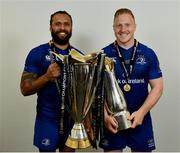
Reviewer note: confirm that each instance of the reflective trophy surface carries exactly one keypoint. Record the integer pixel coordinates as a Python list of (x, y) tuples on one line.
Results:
[(80, 84), (83, 78), (115, 101)]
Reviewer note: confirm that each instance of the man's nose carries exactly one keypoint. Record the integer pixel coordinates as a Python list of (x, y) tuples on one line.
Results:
[(123, 28), (62, 26)]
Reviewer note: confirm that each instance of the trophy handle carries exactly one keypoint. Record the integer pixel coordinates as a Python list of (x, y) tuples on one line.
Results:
[(81, 58), (89, 93), (99, 68), (59, 56)]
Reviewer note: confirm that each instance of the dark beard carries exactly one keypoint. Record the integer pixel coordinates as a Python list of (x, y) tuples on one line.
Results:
[(61, 41)]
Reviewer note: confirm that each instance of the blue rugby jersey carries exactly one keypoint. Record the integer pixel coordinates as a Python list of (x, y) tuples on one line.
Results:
[(46, 132), (146, 67)]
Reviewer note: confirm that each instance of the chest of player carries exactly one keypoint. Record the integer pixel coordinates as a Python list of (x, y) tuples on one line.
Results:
[(46, 60), (140, 66)]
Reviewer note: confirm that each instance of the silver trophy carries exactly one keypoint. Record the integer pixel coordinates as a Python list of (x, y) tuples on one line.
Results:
[(82, 85), (115, 101)]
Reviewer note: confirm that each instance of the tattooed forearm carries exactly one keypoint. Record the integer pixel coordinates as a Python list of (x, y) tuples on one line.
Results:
[(28, 76), (31, 83), (27, 83)]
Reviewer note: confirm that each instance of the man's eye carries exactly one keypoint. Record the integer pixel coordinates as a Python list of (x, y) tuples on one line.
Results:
[(66, 24), (117, 26), (57, 24)]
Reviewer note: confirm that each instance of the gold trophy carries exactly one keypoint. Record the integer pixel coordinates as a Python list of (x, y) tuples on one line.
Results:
[(115, 101)]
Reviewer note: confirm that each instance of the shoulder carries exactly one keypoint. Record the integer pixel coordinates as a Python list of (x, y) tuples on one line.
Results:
[(38, 52), (109, 49), (40, 48), (109, 46), (145, 50)]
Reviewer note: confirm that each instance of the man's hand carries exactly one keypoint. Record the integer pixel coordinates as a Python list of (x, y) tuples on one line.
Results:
[(31, 83), (136, 118), (53, 72), (110, 123)]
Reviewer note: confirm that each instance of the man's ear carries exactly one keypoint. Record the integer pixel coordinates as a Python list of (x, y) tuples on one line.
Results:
[(50, 29), (135, 26)]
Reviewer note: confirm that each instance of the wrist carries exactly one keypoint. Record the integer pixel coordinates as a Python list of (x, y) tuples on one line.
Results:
[(143, 111), (46, 78)]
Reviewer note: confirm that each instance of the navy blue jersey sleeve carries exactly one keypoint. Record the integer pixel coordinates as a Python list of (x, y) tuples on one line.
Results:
[(154, 70), (31, 63)]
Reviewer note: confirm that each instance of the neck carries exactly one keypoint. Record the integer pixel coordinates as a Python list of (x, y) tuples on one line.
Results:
[(126, 45), (63, 47)]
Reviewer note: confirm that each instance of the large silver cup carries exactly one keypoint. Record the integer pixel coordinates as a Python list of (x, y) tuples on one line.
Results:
[(115, 101), (83, 80), (81, 84)]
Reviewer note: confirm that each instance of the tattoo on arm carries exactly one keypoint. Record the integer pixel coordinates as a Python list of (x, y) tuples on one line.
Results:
[(26, 84), (28, 76)]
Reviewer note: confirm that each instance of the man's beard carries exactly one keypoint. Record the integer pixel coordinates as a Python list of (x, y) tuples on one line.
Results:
[(61, 41)]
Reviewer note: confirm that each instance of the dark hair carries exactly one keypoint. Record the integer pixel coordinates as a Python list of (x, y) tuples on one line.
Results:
[(124, 11), (60, 12)]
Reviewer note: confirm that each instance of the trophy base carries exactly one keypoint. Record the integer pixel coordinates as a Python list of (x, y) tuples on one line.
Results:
[(123, 122), (78, 138)]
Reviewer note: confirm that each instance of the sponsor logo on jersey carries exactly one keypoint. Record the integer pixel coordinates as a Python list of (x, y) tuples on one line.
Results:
[(141, 60), (46, 142), (151, 143), (47, 57)]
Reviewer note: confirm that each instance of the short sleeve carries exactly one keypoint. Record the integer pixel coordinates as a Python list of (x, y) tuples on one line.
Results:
[(31, 62), (154, 69)]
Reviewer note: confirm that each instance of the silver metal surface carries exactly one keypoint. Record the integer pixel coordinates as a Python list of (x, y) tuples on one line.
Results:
[(82, 79), (115, 98), (116, 103)]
